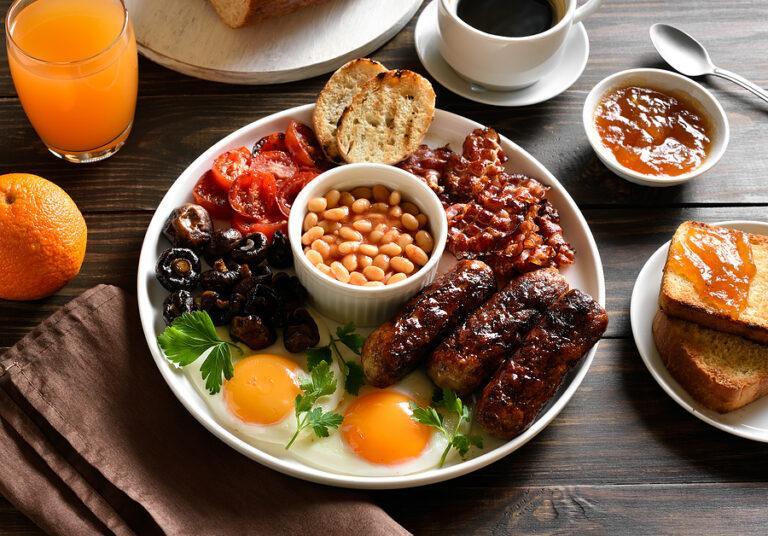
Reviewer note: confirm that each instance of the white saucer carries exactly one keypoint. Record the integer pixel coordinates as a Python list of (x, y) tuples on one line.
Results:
[(572, 64), (751, 421)]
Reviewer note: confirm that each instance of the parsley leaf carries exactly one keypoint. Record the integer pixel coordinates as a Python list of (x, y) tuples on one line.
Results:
[(315, 356), (320, 383), (217, 364), (355, 378), (193, 335), (320, 422), (352, 371), (462, 443), (430, 417), (349, 338)]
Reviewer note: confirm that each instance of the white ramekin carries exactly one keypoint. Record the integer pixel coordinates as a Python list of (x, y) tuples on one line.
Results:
[(665, 81), (365, 306)]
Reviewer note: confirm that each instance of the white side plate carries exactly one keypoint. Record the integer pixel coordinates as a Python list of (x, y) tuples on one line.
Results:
[(750, 421), (586, 274)]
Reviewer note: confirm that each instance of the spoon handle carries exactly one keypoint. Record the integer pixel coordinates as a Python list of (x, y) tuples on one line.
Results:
[(743, 82)]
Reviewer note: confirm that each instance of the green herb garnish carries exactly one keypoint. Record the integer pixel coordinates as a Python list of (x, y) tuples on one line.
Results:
[(320, 383), (352, 371), (193, 335), (430, 417)]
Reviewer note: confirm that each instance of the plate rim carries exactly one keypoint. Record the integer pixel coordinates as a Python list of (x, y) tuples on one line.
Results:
[(693, 407), (307, 472)]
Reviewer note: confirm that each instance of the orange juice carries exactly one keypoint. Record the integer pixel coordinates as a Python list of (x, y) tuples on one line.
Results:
[(75, 68)]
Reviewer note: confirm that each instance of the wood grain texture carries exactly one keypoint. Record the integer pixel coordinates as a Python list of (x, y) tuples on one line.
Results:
[(637, 509), (170, 132), (622, 458)]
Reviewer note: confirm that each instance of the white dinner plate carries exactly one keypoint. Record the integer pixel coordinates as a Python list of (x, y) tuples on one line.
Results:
[(750, 421), (447, 128)]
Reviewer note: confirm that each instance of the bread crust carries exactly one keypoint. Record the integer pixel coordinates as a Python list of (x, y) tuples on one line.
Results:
[(334, 98), (679, 299), (403, 105), (683, 357)]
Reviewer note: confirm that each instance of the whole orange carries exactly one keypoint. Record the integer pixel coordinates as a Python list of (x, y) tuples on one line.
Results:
[(42, 237)]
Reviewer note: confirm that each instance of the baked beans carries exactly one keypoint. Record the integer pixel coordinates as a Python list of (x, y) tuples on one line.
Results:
[(368, 236)]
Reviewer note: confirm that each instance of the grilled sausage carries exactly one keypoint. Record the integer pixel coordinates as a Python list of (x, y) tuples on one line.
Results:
[(474, 350), (396, 347), (522, 385)]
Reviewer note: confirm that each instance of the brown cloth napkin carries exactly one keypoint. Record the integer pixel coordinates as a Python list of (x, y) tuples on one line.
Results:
[(92, 441)]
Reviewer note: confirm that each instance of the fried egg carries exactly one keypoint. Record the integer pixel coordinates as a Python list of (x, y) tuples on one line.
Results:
[(258, 403), (378, 437)]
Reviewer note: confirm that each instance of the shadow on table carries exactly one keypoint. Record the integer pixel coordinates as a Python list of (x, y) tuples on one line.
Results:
[(717, 455)]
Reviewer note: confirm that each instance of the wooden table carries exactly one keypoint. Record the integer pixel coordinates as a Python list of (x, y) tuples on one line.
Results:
[(622, 457)]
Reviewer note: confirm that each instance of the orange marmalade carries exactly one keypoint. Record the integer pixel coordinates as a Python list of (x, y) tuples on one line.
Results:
[(651, 132), (719, 263)]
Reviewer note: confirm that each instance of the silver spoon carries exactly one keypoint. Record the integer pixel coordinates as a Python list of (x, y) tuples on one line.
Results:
[(689, 57)]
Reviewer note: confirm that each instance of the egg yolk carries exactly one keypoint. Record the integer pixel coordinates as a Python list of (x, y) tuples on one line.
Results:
[(263, 388), (378, 428)]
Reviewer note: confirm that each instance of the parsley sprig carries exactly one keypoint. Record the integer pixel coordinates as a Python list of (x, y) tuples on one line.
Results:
[(352, 371), (193, 335), (321, 383), (430, 417)]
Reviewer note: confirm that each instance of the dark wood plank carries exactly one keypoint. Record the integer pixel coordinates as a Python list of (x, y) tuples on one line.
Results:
[(637, 509)]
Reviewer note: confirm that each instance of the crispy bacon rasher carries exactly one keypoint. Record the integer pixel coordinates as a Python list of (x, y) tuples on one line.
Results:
[(500, 218)]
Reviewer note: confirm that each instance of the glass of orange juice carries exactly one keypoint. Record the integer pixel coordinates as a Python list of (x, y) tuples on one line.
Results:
[(75, 68)]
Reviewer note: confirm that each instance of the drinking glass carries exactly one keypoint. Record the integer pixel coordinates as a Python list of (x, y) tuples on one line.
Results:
[(75, 68)]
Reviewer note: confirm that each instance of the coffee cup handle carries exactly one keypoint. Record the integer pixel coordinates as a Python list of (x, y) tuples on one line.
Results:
[(586, 10)]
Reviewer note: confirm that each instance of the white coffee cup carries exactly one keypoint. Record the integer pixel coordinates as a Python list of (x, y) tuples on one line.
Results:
[(505, 63)]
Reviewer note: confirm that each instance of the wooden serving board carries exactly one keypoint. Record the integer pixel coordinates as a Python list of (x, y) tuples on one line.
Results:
[(187, 36)]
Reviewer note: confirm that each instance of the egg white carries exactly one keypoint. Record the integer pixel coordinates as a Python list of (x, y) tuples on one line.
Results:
[(333, 454), (263, 435)]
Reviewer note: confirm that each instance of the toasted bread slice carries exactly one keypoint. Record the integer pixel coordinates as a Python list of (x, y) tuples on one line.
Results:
[(387, 119), (239, 13), (680, 299), (723, 372), (338, 92)]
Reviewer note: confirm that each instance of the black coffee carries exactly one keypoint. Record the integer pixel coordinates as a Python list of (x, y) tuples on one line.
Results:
[(508, 18)]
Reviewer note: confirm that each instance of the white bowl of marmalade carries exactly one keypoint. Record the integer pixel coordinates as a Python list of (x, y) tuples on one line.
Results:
[(655, 127)]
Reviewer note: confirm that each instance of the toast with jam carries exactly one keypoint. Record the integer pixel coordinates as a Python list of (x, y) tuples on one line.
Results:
[(718, 278)]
